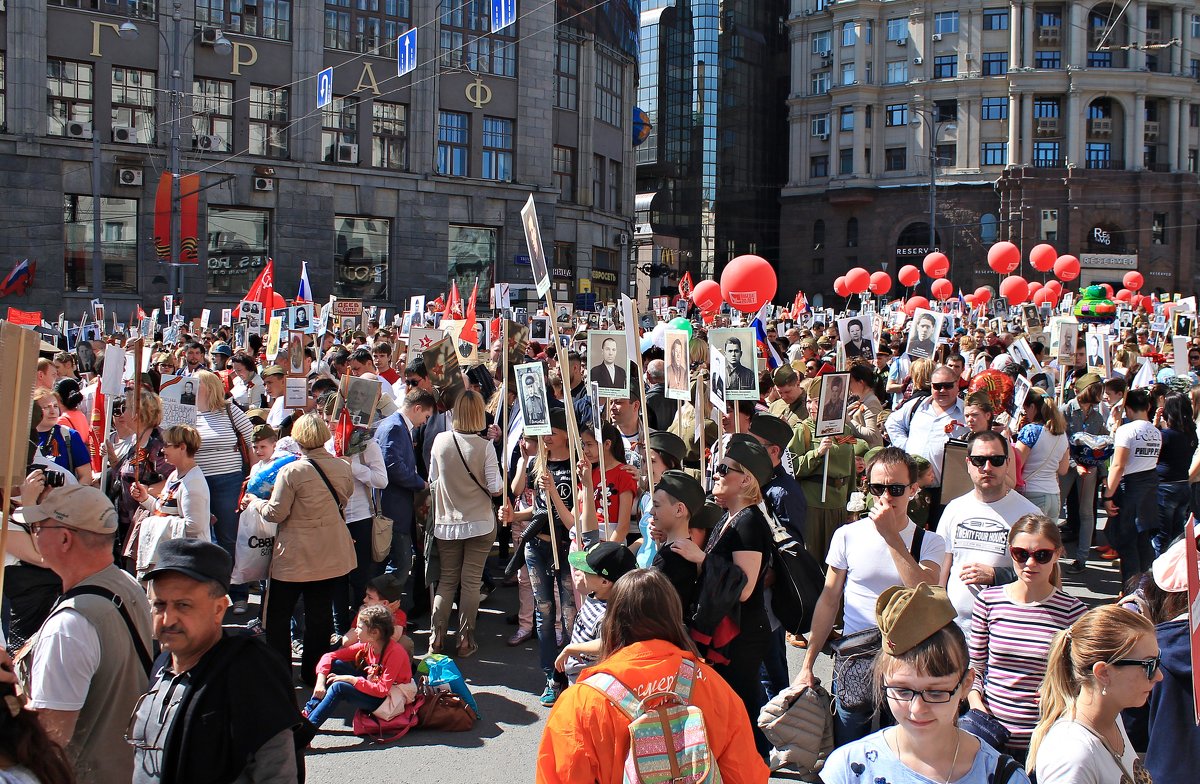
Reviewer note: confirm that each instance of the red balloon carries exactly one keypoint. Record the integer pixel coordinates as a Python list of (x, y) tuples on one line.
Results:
[(1066, 268), (881, 283), (942, 289), (983, 295), (277, 301), (1054, 286), (1004, 257), (840, 288), (909, 275), (748, 282), (707, 296), (1014, 289), (858, 280), (1045, 295), (1034, 288), (936, 265), (969, 299), (1148, 303), (912, 303), (1133, 280), (1042, 257), (1108, 290), (1124, 295)]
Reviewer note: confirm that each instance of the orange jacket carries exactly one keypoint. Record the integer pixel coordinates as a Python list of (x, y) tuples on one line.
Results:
[(586, 738)]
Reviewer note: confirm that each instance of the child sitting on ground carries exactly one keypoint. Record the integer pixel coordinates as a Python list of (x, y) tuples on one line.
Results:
[(386, 590), (602, 564)]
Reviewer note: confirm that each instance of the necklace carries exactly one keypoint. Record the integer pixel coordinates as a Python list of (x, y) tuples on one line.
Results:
[(953, 762)]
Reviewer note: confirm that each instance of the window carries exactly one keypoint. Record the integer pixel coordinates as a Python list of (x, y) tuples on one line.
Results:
[(897, 29), (1051, 59), (212, 112), (497, 149), (3, 91), (266, 18), (988, 228), (846, 161), (454, 138), (118, 243), (896, 114), (615, 202), (994, 154), (1158, 229), (818, 266), (820, 43), (563, 167), (609, 89), (389, 135), (598, 172), (69, 88), (849, 33), (818, 234), (566, 75), (269, 121), (1045, 107), (945, 66), (367, 26), (852, 233), (846, 118), (995, 63), (1045, 155), (339, 125), (1195, 25), (945, 155), (239, 244), (467, 41), (818, 166), (820, 124), (471, 256), (945, 111), (995, 108), (820, 83), (897, 72), (360, 257), (848, 77), (895, 158), (143, 9), (133, 102), (1099, 60), (945, 22), (1193, 116), (995, 19)]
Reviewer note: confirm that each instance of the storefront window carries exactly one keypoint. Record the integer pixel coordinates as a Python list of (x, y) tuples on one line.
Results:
[(239, 243), (472, 256), (118, 243), (360, 257)]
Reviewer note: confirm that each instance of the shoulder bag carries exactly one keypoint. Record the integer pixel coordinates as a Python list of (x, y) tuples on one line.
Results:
[(470, 473), (381, 529), (241, 443)]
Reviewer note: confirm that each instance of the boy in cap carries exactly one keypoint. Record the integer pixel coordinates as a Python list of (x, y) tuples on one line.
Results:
[(602, 565), (678, 499)]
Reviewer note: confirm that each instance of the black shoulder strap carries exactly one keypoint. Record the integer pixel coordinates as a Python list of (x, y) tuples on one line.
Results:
[(325, 479), (1005, 767), (96, 590), (470, 473), (918, 538)]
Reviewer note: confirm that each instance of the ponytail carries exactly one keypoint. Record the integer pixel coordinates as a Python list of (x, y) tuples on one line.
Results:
[(1058, 691)]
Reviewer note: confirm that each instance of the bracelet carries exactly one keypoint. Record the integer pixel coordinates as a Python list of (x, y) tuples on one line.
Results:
[(1107, 498)]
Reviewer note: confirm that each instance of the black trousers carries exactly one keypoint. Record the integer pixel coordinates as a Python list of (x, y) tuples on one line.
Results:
[(318, 619), (746, 654)]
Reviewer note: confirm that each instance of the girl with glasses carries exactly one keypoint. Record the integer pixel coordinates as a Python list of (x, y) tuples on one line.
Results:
[(1012, 628), (1105, 663)]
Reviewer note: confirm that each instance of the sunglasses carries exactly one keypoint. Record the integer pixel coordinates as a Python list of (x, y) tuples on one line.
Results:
[(724, 468), (942, 386), (1149, 665), (411, 382), (1021, 555), (979, 461), (895, 491)]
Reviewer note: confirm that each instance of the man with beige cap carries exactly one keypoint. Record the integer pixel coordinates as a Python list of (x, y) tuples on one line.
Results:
[(87, 665)]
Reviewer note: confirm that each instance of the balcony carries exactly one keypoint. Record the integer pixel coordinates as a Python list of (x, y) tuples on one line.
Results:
[(1047, 126), (1151, 132), (1100, 126), (1049, 35)]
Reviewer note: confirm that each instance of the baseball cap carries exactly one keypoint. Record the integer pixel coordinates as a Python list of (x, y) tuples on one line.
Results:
[(610, 560), (79, 506), (194, 558)]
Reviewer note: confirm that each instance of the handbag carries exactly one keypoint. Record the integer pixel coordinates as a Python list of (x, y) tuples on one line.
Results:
[(368, 725), (381, 531), (243, 450), (444, 710)]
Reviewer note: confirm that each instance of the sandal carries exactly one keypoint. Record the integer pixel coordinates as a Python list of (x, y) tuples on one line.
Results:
[(466, 649)]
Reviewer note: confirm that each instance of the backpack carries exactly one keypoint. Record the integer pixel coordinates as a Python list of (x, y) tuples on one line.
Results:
[(668, 738), (799, 579)]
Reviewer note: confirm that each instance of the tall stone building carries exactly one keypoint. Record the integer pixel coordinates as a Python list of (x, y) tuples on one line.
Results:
[(396, 186), (1068, 123)]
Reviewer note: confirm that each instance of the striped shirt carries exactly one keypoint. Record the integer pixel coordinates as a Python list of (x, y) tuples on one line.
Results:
[(219, 453), (1009, 644)]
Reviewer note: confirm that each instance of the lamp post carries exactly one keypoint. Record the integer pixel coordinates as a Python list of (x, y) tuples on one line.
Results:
[(176, 51), (928, 116)]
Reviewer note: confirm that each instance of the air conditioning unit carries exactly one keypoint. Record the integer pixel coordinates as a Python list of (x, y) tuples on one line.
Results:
[(823, 137), (1047, 126), (264, 184), (918, 61), (1100, 126), (206, 143), (622, 238), (209, 35), (77, 129), (968, 57), (809, 12), (124, 134), (936, 37), (131, 178), (347, 153), (901, 42), (1151, 132), (826, 61), (854, 83)]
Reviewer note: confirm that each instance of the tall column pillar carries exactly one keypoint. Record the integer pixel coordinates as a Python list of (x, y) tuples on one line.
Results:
[(1026, 128), (1014, 119), (1135, 134), (1184, 129), (1075, 123), (1027, 36), (1177, 32), (1014, 33), (860, 140), (1076, 37), (1172, 131)]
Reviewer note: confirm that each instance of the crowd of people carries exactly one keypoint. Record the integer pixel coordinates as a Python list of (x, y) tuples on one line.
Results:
[(193, 556)]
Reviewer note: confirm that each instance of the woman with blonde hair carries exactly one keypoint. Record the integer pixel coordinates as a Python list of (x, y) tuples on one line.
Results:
[(150, 468), (313, 548), (1106, 662), (181, 510), (464, 476), (1042, 447)]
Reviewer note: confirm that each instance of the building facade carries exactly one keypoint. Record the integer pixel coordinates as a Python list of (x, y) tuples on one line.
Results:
[(713, 81), (1075, 124), (393, 187)]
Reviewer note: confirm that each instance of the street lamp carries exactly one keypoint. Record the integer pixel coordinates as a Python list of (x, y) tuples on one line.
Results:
[(933, 124), (176, 50)]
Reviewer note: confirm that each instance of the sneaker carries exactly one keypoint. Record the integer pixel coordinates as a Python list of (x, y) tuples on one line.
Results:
[(297, 648), (550, 695), (1075, 567), (1107, 553), (521, 636), (241, 607)]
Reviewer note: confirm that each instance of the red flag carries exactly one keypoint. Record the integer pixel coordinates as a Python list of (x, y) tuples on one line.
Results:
[(25, 318), (439, 304), (97, 422), (469, 332), (262, 289), (685, 286), (453, 303), (342, 432)]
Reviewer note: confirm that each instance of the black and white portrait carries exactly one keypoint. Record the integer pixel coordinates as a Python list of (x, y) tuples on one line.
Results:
[(608, 363), (856, 337), (1033, 318), (716, 379), (831, 413), (677, 364), (360, 397), (1097, 354), (531, 391), (1068, 340), (923, 334), (301, 318), (537, 253), (539, 329), (741, 361), (1182, 324), (562, 313), (1022, 354)]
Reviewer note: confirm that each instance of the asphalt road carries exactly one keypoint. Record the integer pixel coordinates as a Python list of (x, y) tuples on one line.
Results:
[(506, 682)]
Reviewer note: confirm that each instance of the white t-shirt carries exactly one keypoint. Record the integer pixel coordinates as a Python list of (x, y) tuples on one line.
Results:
[(1045, 453), (1144, 442), (977, 533), (1071, 754), (863, 554), (65, 660)]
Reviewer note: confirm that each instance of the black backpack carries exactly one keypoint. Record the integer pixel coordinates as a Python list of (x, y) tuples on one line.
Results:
[(799, 579)]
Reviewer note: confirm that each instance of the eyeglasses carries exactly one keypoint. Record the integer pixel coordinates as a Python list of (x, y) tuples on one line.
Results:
[(895, 491), (942, 386), (979, 461), (35, 528), (143, 743), (1149, 665), (1021, 555), (931, 696), (722, 469), (411, 382)]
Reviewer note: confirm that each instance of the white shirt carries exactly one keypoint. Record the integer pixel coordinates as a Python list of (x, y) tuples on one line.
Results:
[(976, 532), (1045, 453), (1071, 754), (1144, 442), (858, 549), (925, 432), (64, 662), (248, 396), (277, 413), (370, 473)]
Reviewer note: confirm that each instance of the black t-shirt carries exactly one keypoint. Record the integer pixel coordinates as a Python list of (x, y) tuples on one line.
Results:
[(747, 531), (681, 572), (1175, 457), (560, 470)]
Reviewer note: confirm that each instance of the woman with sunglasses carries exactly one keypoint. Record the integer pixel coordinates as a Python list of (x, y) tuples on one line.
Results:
[(1012, 628), (1107, 662)]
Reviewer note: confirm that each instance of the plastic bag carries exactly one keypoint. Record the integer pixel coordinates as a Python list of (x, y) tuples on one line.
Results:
[(442, 671), (252, 551)]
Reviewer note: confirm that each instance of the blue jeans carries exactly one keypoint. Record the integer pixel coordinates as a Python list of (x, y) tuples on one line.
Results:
[(401, 560), (850, 725), (223, 491), (774, 673), (1136, 522), (1174, 500), (1086, 507), (539, 560), (337, 693)]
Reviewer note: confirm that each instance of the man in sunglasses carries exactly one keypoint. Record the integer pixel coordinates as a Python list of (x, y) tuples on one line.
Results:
[(975, 526), (923, 425)]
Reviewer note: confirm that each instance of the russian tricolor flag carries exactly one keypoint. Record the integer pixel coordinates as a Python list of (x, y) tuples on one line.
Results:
[(304, 292)]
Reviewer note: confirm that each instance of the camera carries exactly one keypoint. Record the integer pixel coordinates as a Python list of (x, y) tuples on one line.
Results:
[(53, 478)]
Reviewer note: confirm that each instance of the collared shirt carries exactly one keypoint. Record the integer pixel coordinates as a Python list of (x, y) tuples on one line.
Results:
[(927, 432), (152, 722)]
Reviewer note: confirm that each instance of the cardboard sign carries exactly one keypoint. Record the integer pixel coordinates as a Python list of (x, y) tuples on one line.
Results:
[(348, 307), (18, 354)]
